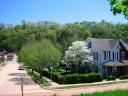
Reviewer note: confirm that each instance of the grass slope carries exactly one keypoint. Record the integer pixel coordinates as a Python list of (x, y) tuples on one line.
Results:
[(109, 93), (37, 78)]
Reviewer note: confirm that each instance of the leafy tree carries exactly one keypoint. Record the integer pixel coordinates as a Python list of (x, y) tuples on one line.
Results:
[(40, 55), (119, 7), (62, 36), (77, 55)]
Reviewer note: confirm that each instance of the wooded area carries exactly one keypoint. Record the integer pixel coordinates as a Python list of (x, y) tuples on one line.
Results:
[(12, 38)]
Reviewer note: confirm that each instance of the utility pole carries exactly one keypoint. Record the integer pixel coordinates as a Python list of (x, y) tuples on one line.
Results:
[(22, 86)]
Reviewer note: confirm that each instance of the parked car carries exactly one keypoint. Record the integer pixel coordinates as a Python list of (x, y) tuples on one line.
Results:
[(10, 56), (21, 68)]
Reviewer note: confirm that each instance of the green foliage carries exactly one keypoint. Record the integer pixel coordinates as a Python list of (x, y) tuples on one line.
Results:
[(119, 7), (37, 78), (73, 78), (13, 38), (124, 77), (39, 55), (111, 78), (109, 93), (56, 76)]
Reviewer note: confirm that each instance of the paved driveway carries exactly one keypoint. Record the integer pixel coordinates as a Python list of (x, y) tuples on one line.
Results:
[(10, 80)]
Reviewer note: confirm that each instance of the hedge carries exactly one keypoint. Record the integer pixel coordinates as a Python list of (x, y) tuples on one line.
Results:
[(73, 78), (124, 77), (111, 78)]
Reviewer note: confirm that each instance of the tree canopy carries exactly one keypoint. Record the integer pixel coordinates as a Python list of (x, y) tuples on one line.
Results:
[(119, 7), (13, 38), (40, 55)]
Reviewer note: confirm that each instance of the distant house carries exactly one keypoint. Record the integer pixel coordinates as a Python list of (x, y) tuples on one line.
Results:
[(2, 55), (110, 55), (10, 56)]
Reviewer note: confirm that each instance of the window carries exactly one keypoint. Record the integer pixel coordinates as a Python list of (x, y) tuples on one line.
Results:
[(113, 55), (89, 45), (109, 56), (122, 55), (95, 55), (117, 55), (104, 55)]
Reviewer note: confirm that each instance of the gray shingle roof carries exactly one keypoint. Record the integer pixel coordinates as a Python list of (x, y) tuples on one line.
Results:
[(124, 44), (104, 44)]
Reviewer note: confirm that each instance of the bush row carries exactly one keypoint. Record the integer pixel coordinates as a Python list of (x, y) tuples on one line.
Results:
[(124, 77), (74, 78), (111, 78)]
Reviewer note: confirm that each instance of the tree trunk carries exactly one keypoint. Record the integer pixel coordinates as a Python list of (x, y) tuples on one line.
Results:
[(32, 71), (66, 69), (40, 74)]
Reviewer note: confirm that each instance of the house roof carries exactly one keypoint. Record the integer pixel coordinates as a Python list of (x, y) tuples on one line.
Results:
[(114, 63), (125, 62), (104, 44), (124, 44)]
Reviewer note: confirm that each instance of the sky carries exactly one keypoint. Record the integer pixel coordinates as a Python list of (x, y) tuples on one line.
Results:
[(61, 11)]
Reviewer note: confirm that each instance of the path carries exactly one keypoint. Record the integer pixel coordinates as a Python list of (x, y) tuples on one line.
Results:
[(70, 92), (10, 80)]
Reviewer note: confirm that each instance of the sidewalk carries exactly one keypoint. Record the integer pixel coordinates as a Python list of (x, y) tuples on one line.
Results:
[(55, 85)]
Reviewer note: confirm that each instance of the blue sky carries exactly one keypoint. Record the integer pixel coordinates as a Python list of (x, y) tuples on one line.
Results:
[(61, 11)]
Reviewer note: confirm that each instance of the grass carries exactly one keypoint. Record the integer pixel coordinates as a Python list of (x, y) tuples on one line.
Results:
[(1, 63), (109, 93), (37, 78), (92, 84)]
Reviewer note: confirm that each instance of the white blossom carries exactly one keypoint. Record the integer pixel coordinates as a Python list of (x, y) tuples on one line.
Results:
[(78, 53)]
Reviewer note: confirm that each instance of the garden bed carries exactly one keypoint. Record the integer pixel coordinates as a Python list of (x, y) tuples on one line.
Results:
[(75, 78)]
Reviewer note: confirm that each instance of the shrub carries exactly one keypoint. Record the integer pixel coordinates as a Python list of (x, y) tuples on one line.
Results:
[(124, 77), (83, 78), (111, 78), (46, 73), (60, 79), (55, 76), (91, 77), (71, 79), (99, 77)]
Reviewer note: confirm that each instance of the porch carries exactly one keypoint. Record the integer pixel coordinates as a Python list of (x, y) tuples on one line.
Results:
[(116, 68)]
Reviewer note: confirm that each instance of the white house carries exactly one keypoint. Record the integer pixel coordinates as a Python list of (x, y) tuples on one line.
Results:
[(110, 55)]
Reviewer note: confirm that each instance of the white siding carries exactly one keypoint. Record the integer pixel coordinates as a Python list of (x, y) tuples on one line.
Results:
[(101, 60)]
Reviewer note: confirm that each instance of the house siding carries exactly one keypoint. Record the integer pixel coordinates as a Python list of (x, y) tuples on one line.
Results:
[(115, 50)]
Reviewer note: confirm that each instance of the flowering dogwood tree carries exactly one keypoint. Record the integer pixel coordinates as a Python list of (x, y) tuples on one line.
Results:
[(77, 56)]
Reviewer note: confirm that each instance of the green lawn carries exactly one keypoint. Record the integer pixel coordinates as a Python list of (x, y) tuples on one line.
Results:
[(37, 78), (109, 93), (1, 64)]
